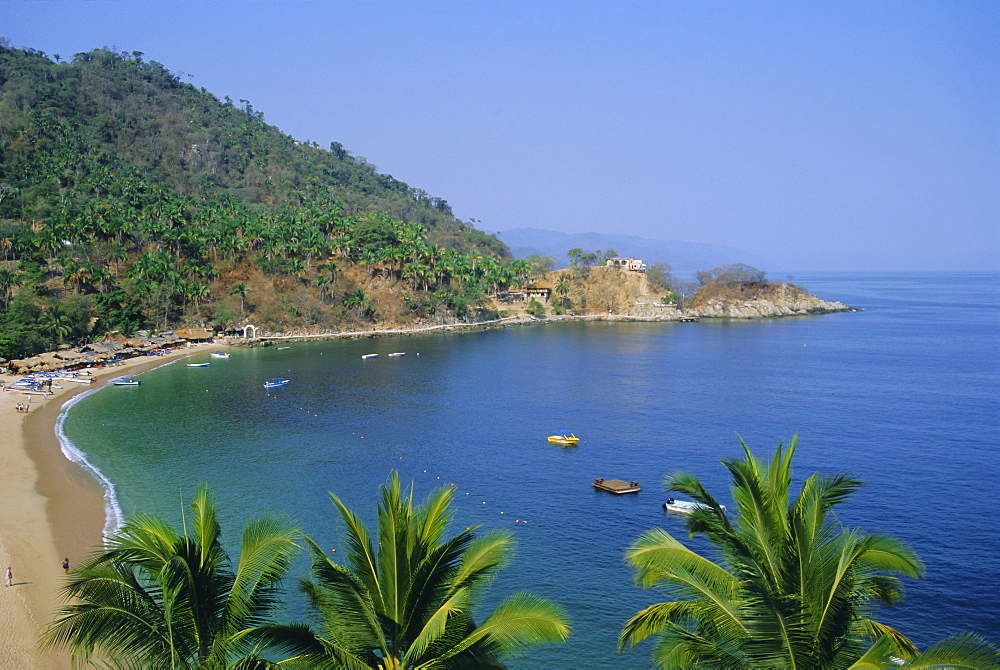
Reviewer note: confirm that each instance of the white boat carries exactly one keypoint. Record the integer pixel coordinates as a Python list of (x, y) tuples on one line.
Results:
[(398, 353), (125, 381), (685, 506), (31, 386), (33, 391), (219, 354), (369, 355), (75, 378), (275, 382), (197, 365)]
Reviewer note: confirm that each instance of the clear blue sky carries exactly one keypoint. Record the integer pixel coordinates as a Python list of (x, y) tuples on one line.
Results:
[(823, 135)]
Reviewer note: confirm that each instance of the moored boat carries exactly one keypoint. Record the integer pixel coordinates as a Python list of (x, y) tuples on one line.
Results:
[(616, 486), (564, 437), (125, 381), (275, 382), (398, 353), (369, 355), (685, 506), (197, 365), (219, 354)]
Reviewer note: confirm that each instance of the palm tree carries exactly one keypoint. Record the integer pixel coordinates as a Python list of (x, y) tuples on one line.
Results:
[(8, 280), (154, 598), (794, 589), (409, 601), (241, 290), (562, 288), (356, 301)]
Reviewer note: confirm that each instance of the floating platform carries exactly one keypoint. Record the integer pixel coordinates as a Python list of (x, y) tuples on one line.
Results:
[(616, 486)]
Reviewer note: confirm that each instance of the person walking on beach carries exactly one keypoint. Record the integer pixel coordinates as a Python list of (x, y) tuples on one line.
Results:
[(10, 577), (65, 565)]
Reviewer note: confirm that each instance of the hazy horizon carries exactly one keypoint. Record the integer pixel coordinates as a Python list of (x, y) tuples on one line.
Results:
[(825, 136)]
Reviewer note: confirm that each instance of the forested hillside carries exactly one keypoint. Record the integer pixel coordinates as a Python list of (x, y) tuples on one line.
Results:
[(130, 199)]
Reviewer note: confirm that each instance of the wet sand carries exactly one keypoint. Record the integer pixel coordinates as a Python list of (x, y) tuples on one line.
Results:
[(51, 509)]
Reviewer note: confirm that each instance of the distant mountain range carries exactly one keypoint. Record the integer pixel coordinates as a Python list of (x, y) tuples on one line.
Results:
[(681, 256)]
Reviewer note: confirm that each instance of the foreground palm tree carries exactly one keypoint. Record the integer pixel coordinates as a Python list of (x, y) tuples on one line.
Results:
[(794, 589), (408, 601), (154, 598)]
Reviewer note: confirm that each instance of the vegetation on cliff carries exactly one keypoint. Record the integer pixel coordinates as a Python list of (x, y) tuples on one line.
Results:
[(131, 199)]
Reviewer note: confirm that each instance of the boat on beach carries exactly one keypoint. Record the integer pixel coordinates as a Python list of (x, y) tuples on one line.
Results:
[(36, 385), (75, 378), (219, 354), (275, 382), (685, 506), (564, 437)]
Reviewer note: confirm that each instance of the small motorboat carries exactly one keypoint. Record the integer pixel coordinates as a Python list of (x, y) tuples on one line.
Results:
[(197, 365), (219, 354), (75, 378), (125, 381), (35, 390), (369, 355), (397, 353), (685, 506), (564, 437), (283, 348), (275, 382)]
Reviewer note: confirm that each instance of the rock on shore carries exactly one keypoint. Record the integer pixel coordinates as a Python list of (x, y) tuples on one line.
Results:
[(761, 300)]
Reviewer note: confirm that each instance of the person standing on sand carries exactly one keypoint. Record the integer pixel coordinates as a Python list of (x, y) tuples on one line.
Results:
[(10, 577), (65, 565)]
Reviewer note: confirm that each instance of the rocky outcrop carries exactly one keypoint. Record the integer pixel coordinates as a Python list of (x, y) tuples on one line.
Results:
[(763, 300)]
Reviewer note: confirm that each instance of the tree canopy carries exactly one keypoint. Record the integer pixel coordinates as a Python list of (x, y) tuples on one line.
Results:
[(793, 588), (131, 199)]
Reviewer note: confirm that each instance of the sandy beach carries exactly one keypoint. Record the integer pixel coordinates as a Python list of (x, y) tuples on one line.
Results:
[(52, 509)]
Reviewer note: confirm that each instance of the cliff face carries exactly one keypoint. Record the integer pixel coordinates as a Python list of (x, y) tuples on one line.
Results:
[(754, 300), (611, 292)]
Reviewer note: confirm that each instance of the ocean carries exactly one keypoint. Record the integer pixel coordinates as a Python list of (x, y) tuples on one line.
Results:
[(904, 393)]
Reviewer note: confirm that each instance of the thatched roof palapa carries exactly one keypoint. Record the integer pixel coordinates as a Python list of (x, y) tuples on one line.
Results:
[(193, 333)]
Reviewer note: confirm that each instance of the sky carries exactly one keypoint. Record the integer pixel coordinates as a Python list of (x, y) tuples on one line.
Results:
[(847, 135)]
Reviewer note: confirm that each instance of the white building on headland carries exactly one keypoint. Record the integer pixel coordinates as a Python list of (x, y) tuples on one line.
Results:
[(633, 264)]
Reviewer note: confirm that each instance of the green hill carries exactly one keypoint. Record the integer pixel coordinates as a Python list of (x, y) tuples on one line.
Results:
[(129, 199)]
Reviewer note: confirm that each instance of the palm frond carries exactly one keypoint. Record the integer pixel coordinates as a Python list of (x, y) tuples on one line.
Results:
[(435, 625), (483, 556), (959, 652), (876, 657), (343, 601), (659, 559), (361, 554), (655, 620), (520, 622), (266, 553)]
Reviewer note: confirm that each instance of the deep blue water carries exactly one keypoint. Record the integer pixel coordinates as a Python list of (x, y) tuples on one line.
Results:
[(903, 394)]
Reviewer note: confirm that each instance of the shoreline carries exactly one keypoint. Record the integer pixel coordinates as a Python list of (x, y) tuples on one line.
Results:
[(53, 508)]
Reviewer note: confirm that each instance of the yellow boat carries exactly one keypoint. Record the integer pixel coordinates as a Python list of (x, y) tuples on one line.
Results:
[(564, 437)]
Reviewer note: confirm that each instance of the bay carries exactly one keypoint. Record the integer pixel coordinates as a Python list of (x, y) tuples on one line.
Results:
[(903, 394)]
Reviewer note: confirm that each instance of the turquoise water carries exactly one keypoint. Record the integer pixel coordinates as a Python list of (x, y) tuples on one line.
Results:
[(903, 394)]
